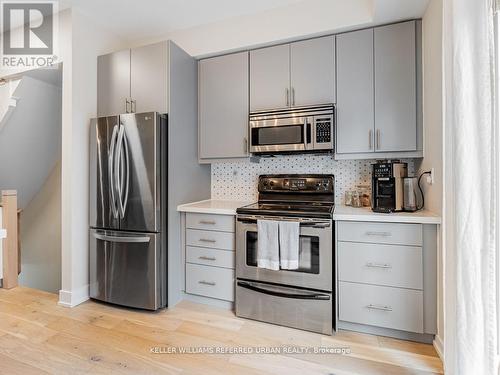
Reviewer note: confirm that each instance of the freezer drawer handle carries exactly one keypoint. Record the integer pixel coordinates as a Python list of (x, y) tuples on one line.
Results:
[(378, 265), (139, 239), (210, 283), (378, 307), (315, 296)]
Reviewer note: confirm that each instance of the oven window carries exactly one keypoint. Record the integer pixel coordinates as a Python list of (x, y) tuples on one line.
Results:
[(278, 135), (308, 253)]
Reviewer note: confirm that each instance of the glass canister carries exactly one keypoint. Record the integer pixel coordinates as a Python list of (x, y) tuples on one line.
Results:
[(356, 199), (364, 195), (348, 198)]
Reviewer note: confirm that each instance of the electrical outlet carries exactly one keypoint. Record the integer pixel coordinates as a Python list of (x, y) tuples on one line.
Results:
[(430, 177)]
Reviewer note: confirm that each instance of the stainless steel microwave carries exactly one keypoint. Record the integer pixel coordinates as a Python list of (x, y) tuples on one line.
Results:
[(299, 129)]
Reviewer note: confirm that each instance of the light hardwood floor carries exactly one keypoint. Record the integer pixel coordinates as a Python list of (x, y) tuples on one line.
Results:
[(39, 337)]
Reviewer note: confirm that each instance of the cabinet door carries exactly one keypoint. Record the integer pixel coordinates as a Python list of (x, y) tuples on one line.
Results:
[(149, 78), (223, 106), (355, 115), (113, 83), (395, 87), (270, 77), (312, 71)]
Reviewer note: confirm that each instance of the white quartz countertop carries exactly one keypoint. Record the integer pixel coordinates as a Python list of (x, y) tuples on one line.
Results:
[(213, 206), (3, 233), (342, 213), (346, 213)]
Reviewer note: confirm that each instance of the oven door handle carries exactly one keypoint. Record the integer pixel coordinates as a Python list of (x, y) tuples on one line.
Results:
[(314, 224), (315, 296)]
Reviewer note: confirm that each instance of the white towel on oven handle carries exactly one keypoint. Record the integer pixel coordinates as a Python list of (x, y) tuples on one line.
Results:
[(268, 248), (289, 233)]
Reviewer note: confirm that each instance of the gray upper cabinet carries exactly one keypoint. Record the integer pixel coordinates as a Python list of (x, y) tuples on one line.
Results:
[(113, 83), (395, 87), (355, 112), (148, 78), (223, 106), (270, 77), (312, 71), (133, 80)]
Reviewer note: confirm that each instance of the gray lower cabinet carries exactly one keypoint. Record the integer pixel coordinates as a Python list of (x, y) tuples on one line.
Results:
[(113, 83), (312, 71), (223, 107), (210, 255), (395, 87), (355, 103), (270, 77), (133, 80), (386, 278)]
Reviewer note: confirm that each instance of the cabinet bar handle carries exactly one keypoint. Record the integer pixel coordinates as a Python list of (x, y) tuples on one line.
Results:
[(293, 96), (207, 222), (245, 145), (378, 139), (370, 137), (203, 282), (206, 240), (132, 105), (206, 258), (287, 94), (127, 105), (378, 265), (379, 307), (381, 234)]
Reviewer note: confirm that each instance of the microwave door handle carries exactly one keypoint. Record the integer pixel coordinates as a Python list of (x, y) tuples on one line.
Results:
[(276, 293), (304, 133)]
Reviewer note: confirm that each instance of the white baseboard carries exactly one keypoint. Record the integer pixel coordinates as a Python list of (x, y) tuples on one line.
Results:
[(438, 345), (73, 298)]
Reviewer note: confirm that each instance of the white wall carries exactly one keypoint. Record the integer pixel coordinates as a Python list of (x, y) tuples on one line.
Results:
[(306, 18), (81, 42), (433, 128), (31, 139), (40, 230)]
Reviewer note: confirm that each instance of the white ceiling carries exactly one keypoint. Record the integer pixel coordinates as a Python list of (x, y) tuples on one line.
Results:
[(139, 20)]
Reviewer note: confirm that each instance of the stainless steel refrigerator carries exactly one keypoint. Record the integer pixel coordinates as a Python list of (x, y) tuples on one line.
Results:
[(128, 210)]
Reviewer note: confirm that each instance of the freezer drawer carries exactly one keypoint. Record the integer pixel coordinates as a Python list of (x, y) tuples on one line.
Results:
[(285, 306), (127, 268)]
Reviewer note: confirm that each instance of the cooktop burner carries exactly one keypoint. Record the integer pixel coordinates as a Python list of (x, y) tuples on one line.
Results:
[(294, 195)]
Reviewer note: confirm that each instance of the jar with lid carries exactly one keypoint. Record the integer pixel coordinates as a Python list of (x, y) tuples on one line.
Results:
[(364, 195)]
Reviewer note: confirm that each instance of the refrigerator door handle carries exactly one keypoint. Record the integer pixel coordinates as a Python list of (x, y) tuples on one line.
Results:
[(118, 170), (126, 179), (135, 239), (111, 171)]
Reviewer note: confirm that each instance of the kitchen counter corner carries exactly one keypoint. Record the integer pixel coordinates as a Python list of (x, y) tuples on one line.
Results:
[(346, 213), (213, 206)]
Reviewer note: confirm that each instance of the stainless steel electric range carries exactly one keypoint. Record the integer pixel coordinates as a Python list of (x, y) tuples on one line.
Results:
[(303, 298)]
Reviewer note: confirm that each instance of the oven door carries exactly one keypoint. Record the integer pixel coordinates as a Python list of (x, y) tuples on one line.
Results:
[(278, 135), (315, 256)]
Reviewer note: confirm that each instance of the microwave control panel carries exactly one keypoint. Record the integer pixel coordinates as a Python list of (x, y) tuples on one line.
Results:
[(323, 131)]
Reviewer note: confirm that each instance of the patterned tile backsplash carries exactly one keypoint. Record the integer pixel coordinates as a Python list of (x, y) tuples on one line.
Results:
[(238, 180)]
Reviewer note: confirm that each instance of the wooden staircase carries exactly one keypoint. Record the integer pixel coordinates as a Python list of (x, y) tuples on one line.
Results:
[(10, 244)]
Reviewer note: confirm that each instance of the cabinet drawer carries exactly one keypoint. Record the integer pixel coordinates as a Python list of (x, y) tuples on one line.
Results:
[(222, 223), (390, 265), (385, 233), (212, 239), (381, 306), (210, 281), (210, 257)]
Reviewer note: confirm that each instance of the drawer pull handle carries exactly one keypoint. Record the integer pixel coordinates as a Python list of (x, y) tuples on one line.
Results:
[(378, 307), (210, 283), (207, 222), (378, 265), (206, 258), (207, 240), (381, 234)]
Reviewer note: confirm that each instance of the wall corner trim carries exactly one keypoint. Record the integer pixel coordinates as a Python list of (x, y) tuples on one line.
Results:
[(73, 298), (438, 345)]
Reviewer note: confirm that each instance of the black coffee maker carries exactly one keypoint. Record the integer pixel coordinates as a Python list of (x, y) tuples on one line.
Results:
[(387, 185)]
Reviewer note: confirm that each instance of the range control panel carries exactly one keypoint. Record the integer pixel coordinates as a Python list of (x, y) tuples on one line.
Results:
[(296, 183)]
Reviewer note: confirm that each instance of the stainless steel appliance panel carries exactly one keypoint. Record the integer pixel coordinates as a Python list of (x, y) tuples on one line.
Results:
[(291, 307), (103, 203), (140, 171), (125, 268), (314, 272)]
